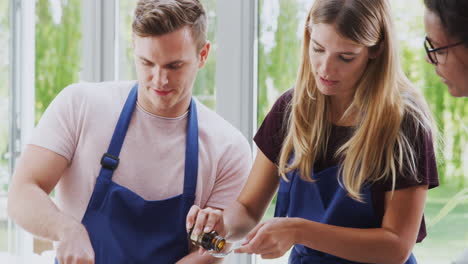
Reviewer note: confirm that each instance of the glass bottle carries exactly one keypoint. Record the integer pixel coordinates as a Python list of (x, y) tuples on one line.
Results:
[(209, 241)]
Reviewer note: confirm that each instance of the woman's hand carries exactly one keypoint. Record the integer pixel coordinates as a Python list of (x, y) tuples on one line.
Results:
[(204, 221), (271, 239)]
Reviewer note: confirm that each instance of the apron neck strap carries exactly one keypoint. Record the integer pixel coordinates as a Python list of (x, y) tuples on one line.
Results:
[(110, 160)]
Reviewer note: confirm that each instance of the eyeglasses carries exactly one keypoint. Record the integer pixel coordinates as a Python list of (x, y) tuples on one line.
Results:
[(437, 55)]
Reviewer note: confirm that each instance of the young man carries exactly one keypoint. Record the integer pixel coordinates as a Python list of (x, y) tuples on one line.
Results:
[(129, 159)]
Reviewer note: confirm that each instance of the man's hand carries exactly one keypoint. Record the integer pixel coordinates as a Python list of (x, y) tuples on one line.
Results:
[(204, 221), (75, 246)]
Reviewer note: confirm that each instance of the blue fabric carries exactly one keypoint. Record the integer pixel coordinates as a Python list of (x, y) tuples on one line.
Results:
[(124, 227), (323, 201)]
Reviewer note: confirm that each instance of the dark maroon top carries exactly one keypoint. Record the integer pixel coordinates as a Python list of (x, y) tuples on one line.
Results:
[(272, 132)]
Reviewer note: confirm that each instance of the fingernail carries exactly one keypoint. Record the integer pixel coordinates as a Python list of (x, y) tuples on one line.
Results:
[(207, 229)]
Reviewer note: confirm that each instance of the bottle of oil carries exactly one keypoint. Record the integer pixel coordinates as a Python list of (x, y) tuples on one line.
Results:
[(209, 241)]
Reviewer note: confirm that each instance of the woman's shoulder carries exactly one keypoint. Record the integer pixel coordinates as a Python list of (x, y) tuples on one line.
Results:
[(418, 132), (272, 132), (283, 102)]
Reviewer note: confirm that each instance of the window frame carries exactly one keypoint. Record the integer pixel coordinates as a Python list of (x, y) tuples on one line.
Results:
[(21, 110)]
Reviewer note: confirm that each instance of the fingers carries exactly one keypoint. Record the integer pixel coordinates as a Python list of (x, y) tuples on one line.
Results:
[(72, 259), (192, 216), (253, 241), (76, 248), (200, 222), (203, 220), (253, 246), (252, 233), (201, 251), (213, 218)]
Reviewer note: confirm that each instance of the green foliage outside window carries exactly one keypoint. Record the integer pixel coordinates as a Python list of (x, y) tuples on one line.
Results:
[(58, 49)]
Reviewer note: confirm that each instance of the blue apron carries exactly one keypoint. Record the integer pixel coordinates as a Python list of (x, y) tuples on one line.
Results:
[(124, 227), (324, 201)]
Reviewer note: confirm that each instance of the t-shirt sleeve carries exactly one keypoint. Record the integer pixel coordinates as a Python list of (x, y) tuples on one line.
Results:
[(425, 161), (271, 134), (57, 128), (233, 169), (426, 171)]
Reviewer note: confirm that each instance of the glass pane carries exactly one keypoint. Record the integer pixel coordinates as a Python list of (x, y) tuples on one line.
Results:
[(4, 117), (58, 57), (204, 87), (280, 37), (281, 25), (58, 48)]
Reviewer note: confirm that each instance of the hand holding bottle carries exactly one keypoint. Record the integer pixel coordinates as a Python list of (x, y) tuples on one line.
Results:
[(216, 245), (204, 221)]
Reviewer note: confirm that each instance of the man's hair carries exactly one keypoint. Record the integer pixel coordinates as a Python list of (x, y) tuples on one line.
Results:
[(159, 17), (454, 16)]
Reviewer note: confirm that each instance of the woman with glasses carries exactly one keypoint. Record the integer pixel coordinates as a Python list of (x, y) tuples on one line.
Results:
[(348, 151), (446, 43)]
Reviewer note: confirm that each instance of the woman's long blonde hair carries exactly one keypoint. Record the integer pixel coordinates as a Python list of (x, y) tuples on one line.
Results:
[(383, 99)]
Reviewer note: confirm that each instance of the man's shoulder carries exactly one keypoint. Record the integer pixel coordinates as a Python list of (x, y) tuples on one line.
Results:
[(215, 126), (102, 94), (94, 89)]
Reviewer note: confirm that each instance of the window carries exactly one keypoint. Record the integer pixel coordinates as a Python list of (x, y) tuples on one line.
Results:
[(204, 87), (279, 48), (279, 45), (57, 58), (58, 49), (4, 119)]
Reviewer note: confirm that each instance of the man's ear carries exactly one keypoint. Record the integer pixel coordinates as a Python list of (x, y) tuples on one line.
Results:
[(376, 50), (203, 55)]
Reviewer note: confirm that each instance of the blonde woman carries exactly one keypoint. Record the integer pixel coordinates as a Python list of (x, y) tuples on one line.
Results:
[(349, 151)]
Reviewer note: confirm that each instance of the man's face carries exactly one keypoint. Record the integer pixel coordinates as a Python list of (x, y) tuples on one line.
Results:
[(166, 69)]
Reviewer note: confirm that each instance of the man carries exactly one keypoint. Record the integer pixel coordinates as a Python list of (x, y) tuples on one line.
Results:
[(125, 199)]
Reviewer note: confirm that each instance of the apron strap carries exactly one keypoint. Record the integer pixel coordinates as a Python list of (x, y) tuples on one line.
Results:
[(191, 152), (110, 160), (283, 198)]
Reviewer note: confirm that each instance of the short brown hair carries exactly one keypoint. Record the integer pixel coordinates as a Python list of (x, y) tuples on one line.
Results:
[(159, 17)]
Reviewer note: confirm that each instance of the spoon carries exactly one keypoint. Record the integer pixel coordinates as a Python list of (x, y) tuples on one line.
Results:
[(224, 254)]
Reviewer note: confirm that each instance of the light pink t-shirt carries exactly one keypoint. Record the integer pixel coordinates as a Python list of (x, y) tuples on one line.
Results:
[(79, 125)]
